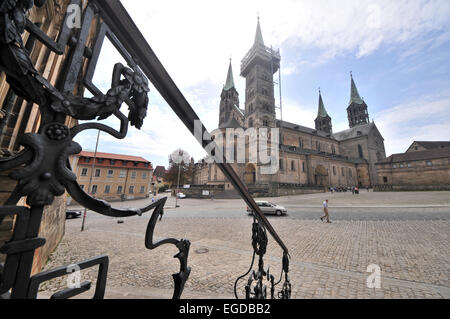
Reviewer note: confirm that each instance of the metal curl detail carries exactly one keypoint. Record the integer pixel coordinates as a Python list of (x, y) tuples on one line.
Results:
[(183, 246)]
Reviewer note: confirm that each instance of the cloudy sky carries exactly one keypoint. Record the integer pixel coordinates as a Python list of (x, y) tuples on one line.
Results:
[(398, 51)]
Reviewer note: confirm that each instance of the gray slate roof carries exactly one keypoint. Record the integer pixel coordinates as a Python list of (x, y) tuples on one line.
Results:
[(430, 154), (231, 123), (360, 130), (302, 151), (304, 129), (433, 144)]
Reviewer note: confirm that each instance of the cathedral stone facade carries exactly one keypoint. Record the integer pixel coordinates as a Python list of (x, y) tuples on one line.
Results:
[(310, 159)]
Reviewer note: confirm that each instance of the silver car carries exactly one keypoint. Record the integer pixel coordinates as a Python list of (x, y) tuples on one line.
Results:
[(270, 208)]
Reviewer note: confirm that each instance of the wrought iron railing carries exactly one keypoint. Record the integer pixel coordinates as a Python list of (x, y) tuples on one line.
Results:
[(42, 169)]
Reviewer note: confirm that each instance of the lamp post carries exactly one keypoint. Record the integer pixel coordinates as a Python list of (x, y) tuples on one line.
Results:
[(90, 179), (180, 153)]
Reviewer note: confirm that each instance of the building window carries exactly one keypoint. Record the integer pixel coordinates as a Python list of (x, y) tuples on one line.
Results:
[(360, 151), (265, 123), (84, 172), (94, 189), (82, 187), (131, 190), (409, 165), (394, 166), (303, 166), (133, 174), (300, 143), (334, 170), (124, 163), (385, 179), (122, 174), (119, 189), (343, 171), (281, 165), (292, 165), (402, 165), (113, 162), (87, 159), (100, 160), (144, 175), (142, 190), (110, 173), (250, 122), (429, 163), (350, 172), (98, 172), (333, 149), (107, 189)]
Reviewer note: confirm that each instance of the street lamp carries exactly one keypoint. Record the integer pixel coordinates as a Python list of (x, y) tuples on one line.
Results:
[(179, 156), (180, 153), (90, 179)]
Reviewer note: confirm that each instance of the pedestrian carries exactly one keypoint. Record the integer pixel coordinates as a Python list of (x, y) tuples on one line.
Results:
[(325, 210)]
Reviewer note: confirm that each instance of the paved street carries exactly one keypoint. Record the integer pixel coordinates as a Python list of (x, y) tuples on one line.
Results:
[(406, 234)]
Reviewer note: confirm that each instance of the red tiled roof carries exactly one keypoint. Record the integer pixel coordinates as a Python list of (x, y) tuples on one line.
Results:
[(115, 160), (119, 157)]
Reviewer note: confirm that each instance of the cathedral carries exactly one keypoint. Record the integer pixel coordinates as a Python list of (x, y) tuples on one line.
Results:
[(309, 158)]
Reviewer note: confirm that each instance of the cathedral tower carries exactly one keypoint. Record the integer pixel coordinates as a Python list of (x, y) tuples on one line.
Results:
[(323, 120), (230, 115), (357, 110), (258, 68)]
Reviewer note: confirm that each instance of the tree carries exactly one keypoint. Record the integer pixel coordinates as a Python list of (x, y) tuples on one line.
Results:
[(179, 166)]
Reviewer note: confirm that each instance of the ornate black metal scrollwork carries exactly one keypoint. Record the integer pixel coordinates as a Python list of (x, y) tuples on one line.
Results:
[(256, 288), (182, 245), (42, 169)]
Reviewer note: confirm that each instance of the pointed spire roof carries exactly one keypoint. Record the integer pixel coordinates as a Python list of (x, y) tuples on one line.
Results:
[(258, 37), (354, 95), (229, 84), (322, 111)]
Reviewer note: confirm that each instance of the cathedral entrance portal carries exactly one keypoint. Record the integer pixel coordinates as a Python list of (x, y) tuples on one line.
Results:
[(321, 176), (250, 174)]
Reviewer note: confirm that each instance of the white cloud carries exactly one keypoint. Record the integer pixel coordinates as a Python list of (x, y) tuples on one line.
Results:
[(299, 114), (195, 39), (426, 119)]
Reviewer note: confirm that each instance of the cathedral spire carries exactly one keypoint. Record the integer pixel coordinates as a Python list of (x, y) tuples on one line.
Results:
[(229, 84), (258, 37), (357, 110), (322, 111), (354, 94), (323, 120)]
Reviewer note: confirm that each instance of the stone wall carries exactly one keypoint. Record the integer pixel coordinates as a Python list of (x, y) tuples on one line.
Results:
[(7, 185), (416, 173), (52, 226), (52, 229), (222, 191), (410, 188)]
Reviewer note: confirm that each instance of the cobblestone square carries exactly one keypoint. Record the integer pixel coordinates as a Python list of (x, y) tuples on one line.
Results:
[(406, 234)]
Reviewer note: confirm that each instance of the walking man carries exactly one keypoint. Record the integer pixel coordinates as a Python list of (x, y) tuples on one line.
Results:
[(325, 210)]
